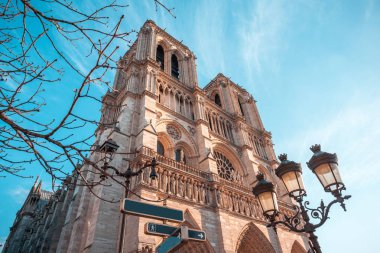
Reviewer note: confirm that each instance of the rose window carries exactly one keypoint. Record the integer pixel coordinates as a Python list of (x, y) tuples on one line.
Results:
[(173, 132), (225, 169)]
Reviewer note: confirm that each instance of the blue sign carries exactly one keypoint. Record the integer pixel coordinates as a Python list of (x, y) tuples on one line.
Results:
[(151, 211), (171, 243), (160, 229), (197, 235), (166, 230)]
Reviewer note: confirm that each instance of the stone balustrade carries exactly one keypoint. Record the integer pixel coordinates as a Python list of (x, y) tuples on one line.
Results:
[(186, 183)]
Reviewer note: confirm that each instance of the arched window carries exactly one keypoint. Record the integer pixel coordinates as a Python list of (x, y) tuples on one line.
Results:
[(217, 100), (180, 156), (160, 148), (175, 68), (225, 169), (241, 107), (262, 148), (160, 56), (160, 94)]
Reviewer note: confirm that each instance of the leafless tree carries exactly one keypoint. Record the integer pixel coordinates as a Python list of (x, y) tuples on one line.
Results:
[(32, 60)]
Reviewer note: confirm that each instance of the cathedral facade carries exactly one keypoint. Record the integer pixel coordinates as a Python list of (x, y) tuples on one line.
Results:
[(209, 144)]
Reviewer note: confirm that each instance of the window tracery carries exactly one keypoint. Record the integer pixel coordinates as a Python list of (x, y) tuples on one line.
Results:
[(219, 125), (225, 168), (173, 132)]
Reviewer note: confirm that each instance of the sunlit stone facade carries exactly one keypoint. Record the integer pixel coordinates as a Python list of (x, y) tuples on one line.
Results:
[(209, 143)]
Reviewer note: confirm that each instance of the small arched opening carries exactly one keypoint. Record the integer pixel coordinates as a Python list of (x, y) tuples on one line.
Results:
[(160, 56), (175, 66), (160, 148), (217, 100)]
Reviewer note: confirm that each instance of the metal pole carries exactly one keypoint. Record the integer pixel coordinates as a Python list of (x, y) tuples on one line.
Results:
[(122, 230), (309, 228), (314, 240)]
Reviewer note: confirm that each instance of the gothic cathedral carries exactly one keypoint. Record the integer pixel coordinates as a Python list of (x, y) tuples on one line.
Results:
[(209, 144)]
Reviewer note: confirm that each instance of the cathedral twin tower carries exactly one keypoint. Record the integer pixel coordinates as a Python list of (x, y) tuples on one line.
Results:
[(209, 143)]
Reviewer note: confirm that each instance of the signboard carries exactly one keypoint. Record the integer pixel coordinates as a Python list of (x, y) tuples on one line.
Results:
[(166, 230), (159, 229), (170, 244), (197, 235), (151, 211)]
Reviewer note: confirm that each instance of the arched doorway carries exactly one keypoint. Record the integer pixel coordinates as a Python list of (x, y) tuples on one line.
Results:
[(252, 240), (297, 248)]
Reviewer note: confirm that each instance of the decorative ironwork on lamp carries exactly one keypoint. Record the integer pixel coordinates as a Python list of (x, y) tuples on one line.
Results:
[(325, 166)]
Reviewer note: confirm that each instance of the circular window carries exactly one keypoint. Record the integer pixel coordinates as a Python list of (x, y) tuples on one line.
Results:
[(173, 132), (225, 169)]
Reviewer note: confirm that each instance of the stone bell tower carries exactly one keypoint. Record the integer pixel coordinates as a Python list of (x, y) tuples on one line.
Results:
[(209, 144)]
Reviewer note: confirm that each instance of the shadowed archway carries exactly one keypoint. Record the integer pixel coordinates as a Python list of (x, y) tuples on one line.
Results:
[(252, 240)]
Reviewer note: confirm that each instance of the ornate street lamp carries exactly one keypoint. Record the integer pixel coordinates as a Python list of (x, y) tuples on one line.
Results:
[(291, 175), (325, 166), (266, 194)]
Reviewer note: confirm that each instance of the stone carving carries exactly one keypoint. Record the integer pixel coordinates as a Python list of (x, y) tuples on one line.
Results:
[(191, 130), (239, 151), (173, 132)]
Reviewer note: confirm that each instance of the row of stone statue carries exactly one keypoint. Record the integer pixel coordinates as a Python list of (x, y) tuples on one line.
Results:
[(192, 189)]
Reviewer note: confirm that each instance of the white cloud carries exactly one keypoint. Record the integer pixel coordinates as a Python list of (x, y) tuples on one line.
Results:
[(261, 35), (209, 37), (19, 194), (353, 133)]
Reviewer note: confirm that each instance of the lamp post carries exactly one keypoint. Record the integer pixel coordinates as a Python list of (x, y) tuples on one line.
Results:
[(109, 148), (325, 166)]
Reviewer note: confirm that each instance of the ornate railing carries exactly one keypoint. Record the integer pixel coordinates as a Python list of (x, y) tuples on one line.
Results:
[(188, 184)]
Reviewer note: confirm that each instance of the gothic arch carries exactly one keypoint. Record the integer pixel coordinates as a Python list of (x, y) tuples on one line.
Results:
[(231, 155), (167, 143), (265, 172), (164, 44), (297, 248), (186, 136), (221, 97), (252, 240)]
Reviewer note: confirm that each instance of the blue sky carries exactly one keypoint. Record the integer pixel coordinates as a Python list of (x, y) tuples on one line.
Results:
[(313, 67)]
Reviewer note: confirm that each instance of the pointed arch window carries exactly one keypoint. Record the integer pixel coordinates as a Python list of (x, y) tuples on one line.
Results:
[(217, 100), (160, 148), (224, 166), (241, 107), (160, 94), (175, 66), (160, 57)]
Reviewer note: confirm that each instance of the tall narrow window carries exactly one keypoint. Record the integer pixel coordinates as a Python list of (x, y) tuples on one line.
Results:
[(160, 94), (160, 56), (160, 148), (175, 68), (241, 107), (217, 100)]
